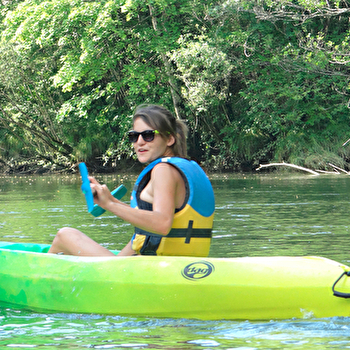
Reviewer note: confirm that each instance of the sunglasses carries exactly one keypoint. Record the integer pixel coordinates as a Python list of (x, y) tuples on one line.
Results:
[(147, 135)]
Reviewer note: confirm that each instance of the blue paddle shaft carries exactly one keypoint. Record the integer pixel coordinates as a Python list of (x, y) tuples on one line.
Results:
[(85, 187)]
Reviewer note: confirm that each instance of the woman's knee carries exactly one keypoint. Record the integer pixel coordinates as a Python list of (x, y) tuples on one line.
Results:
[(67, 233), (65, 230)]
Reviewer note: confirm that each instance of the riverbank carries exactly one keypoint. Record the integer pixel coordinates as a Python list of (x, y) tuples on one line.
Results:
[(40, 168), (132, 166)]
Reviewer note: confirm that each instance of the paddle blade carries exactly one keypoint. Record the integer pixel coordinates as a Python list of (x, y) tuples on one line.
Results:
[(85, 187)]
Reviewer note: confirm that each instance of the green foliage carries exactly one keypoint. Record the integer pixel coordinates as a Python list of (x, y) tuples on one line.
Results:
[(296, 86), (256, 80)]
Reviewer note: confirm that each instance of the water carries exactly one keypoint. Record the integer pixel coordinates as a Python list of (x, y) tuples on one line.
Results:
[(260, 215)]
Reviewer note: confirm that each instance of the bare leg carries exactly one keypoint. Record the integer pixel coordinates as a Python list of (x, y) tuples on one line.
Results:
[(71, 241)]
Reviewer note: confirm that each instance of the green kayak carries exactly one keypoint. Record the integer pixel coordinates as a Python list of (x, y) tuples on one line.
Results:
[(250, 288)]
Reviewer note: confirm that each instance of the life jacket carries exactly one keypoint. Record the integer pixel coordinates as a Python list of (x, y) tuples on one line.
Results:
[(191, 231)]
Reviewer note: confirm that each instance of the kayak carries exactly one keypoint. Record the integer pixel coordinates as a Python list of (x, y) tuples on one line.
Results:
[(247, 288)]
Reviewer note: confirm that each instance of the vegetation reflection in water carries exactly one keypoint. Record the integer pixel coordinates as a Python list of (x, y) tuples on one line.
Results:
[(256, 215)]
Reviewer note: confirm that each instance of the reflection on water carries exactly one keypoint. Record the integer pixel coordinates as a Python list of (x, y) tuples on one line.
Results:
[(35, 207), (19, 329), (284, 215), (255, 215)]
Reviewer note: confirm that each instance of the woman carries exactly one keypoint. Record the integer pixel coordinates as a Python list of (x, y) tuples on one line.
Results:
[(172, 204)]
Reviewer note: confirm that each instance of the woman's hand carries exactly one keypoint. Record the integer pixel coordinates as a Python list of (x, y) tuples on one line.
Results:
[(102, 195)]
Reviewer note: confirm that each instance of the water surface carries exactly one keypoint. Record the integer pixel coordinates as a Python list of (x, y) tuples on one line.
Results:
[(256, 215)]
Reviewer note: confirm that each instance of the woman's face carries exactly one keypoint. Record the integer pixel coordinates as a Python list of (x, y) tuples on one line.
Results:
[(148, 151)]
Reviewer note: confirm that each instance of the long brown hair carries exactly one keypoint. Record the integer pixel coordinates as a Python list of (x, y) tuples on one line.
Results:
[(161, 119)]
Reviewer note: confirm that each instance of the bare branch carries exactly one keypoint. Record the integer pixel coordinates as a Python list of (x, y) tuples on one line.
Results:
[(337, 168), (296, 13), (288, 165)]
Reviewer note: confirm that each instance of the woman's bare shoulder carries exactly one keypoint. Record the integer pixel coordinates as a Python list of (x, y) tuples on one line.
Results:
[(165, 169)]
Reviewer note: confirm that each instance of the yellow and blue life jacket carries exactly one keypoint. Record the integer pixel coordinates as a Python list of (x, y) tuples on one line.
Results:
[(191, 231)]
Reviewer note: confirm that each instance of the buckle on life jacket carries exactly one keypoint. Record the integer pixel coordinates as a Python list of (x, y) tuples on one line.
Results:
[(189, 232)]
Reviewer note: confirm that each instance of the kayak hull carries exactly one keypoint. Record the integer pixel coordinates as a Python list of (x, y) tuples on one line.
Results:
[(249, 288)]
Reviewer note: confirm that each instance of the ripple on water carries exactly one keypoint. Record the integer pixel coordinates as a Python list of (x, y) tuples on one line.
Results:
[(24, 329)]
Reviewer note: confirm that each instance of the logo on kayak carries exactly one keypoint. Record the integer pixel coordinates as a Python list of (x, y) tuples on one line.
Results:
[(197, 270)]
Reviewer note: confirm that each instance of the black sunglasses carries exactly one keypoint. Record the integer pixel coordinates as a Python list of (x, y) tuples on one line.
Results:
[(147, 135)]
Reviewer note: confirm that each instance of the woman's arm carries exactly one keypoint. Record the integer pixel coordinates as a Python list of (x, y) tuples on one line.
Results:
[(162, 191), (127, 250)]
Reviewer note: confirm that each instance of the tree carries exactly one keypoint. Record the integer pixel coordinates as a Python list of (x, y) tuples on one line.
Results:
[(98, 60), (255, 80), (287, 85)]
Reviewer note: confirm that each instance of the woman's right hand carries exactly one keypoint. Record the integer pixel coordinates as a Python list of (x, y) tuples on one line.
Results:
[(102, 195)]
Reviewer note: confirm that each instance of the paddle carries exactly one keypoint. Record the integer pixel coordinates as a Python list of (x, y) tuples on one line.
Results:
[(85, 187), (95, 209), (118, 193)]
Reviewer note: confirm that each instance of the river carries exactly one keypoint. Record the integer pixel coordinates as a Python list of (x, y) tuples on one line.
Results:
[(256, 215)]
